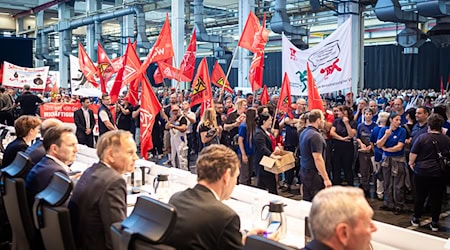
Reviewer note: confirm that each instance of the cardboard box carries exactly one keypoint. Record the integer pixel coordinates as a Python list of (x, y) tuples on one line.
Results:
[(276, 166)]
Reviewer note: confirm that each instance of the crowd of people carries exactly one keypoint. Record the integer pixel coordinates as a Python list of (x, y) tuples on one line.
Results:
[(386, 137)]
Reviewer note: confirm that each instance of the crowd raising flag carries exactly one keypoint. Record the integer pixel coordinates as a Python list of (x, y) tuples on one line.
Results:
[(201, 86), (285, 102), (314, 99), (87, 67), (105, 67), (264, 96), (218, 78), (187, 64), (150, 107)]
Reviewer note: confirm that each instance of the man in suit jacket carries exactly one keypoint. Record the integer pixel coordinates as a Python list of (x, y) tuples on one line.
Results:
[(84, 120), (203, 221), (99, 198), (340, 218), (61, 146), (37, 151)]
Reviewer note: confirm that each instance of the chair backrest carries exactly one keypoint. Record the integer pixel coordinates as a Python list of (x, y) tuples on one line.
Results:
[(12, 190), (52, 219), (256, 242), (147, 226), (20, 167), (3, 134), (18, 212)]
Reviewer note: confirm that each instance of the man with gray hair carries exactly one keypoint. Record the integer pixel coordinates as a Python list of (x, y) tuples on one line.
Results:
[(340, 218)]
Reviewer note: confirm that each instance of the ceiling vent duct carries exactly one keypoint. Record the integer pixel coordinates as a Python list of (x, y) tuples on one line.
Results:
[(439, 34), (202, 34), (280, 23), (411, 38)]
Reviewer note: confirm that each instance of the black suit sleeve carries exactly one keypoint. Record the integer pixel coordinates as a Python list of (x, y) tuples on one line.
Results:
[(260, 144), (78, 119), (231, 237), (113, 207), (92, 119)]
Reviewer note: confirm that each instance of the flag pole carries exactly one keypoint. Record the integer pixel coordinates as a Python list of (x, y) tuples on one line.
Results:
[(274, 118), (228, 73)]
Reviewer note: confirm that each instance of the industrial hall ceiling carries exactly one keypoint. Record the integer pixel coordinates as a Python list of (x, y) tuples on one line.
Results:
[(384, 20)]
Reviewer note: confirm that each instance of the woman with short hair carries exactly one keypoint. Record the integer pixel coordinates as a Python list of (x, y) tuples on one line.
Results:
[(27, 129)]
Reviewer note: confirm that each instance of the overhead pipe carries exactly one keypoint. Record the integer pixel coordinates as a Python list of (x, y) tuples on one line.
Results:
[(199, 24), (280, 24), (142, 40), (391, 11), (439, 9), (280, 21), (39, 8)]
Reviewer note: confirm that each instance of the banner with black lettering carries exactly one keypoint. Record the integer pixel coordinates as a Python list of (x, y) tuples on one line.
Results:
[(16, 76), (330, 62)]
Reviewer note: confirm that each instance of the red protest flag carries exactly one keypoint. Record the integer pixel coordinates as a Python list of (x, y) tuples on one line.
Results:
[(442, 86), (1, 72), (261, 37), (132, 65), (264, 96), (157, 75), (314, 99), (150, 107), (170, 72), (87, 67), (255, 75), (105, 67), (285, 102), (248, 34), (162, 49), (187, 64), (218, 78), (201, 86), (118, 81)]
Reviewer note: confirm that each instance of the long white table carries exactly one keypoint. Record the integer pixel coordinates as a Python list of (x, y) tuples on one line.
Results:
[(248, 201)]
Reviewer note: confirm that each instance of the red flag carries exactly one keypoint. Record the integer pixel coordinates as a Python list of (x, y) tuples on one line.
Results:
[(248, 34), (1, 72), (118, 81), (133, 63), (170, 72), (87, 67), (255, 75), (157, 75), (218, 78), (261, 37), (264, 96), (285, 102), (150, 107), (442, 86), (201, 86), (314, 99), (187, 64), (105, 67), (162, 49)]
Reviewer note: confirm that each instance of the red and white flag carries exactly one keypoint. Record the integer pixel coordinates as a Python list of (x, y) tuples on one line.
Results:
[(218, 78), (264, 96), (187, 64), (314, 99), (201, 86), (285, 102), (87, 67), (150, 107)]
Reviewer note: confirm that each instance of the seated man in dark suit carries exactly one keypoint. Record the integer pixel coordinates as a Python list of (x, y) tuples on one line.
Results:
[(37, 151), (61, 146), (203, 221), (99, 198), (340, 218)]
